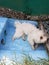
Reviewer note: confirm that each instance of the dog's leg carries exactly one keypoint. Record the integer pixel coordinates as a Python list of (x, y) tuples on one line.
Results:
[(31, 42), (17, 34), (32, 45), (14, 36), (35, 45), (24, 36)]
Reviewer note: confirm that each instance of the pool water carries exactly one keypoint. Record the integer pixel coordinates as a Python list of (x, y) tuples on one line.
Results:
[(18, 46)]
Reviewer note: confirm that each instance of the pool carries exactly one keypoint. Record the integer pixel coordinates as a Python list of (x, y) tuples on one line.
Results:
[(19, 47)]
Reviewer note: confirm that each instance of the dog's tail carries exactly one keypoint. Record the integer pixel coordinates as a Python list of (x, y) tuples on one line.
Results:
[(16, 23)]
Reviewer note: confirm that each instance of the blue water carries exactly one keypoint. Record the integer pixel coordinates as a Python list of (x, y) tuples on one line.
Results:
[(18, 46)]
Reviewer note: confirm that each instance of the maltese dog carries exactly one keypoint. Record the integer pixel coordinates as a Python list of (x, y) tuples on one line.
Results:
[(34, 35)]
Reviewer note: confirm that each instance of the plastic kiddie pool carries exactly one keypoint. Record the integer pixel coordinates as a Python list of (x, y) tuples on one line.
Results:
[(19, 47)]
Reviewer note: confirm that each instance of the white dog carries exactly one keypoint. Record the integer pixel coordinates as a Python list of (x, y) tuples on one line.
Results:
[(34, 35)]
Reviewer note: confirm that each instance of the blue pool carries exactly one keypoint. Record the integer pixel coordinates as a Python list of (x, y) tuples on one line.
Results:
[(19, 47)]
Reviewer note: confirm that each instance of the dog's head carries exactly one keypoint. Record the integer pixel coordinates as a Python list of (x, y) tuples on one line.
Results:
[(40, 37)]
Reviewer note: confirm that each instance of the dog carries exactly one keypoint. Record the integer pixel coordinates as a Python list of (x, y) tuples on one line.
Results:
[(34, 35)]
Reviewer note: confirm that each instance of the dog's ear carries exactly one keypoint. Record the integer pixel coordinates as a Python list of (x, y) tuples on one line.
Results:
[(41, 26)]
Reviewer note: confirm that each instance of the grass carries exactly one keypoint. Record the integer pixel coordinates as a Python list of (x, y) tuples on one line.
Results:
[(27, 60)]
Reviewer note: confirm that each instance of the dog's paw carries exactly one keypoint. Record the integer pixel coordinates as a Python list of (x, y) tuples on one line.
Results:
[(33, 47)]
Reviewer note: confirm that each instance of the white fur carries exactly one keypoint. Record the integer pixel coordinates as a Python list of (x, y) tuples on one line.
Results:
[(31, 31), (34, 37)]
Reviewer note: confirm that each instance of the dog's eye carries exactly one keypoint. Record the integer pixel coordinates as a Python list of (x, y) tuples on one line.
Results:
[(41, 37)]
